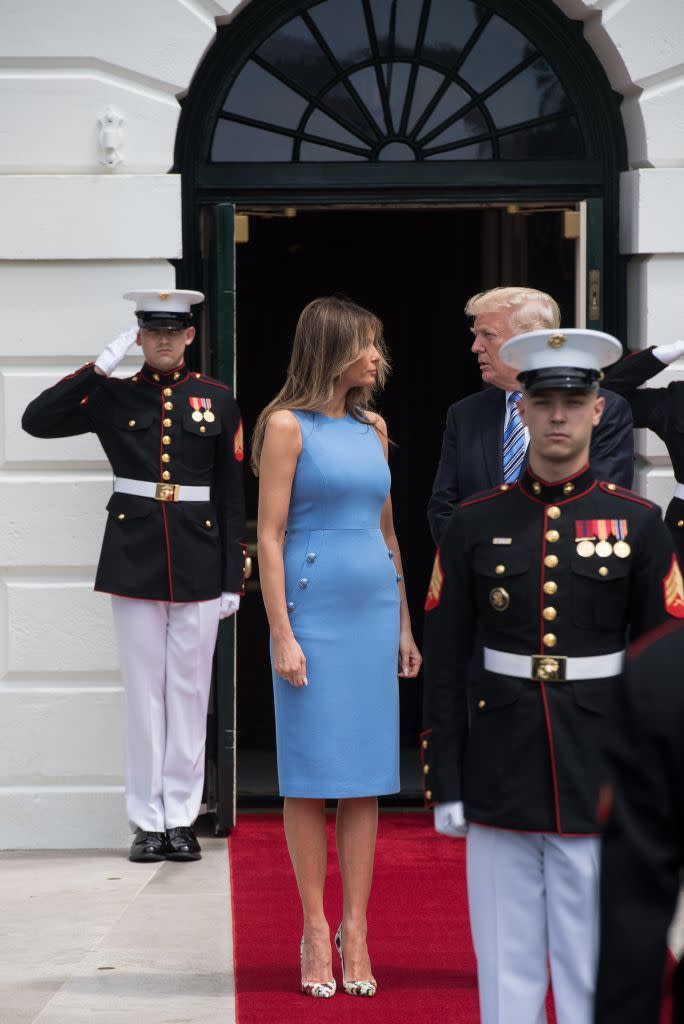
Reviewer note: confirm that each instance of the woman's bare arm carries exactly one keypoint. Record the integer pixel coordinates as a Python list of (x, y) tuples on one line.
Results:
[(409, 657), (280, 452)]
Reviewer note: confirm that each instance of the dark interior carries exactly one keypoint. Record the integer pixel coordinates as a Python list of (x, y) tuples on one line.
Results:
[(415, 268)]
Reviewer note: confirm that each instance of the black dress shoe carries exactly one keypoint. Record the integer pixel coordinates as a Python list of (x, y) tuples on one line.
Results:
[(148, 847), (181, 844)]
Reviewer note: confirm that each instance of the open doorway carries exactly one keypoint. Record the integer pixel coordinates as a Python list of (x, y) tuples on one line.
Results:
[(414, 267)]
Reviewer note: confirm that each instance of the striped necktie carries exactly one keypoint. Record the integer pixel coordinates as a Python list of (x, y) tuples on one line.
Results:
[(513, 441)]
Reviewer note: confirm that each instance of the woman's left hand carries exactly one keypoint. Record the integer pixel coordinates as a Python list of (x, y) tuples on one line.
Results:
[(409, 656)]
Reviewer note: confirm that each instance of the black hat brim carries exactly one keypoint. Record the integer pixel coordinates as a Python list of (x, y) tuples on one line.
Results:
[(553, 378), (161, 320)]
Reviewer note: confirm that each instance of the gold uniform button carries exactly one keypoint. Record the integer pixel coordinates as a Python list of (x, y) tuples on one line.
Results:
[(553, 512), (680, 522), (176, 376), (135, 379), (168, 392), (155, 376), (551, 561), (166, 457), (208, 523), (611, 487), (424, 744), (121, 515), (550, 587), (549, 614), (482, 704), (504, 487), (426, 769), (428, 794), (603, 571), (167, 422), (131, 423), (550, 640), (536, 487), (166, 475), (166, 439), (168, 405), (500, 570), (203, 429), (552, 536), (568, 488), (197, 376)]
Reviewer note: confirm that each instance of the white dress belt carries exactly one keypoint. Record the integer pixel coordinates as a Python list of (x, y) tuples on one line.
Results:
[(163, 492), (679, 491), (539, 666)]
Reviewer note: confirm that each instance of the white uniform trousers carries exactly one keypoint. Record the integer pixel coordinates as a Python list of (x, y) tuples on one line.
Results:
[(165, 653), (533, 901)]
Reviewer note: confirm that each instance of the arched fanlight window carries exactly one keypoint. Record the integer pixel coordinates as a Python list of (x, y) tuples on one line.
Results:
[(396, 80)]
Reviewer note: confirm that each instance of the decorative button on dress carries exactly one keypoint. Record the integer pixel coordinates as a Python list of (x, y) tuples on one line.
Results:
[(339, 736)]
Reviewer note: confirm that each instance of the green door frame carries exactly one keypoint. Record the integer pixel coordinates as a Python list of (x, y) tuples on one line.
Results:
[(211, 192)]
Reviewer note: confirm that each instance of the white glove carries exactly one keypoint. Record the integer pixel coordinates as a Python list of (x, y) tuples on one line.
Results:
[(111, 356), (229, 604), (668, 353), (449, 819)]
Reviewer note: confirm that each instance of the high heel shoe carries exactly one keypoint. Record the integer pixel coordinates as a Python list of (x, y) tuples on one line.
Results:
[(354, 988), (317, 989)]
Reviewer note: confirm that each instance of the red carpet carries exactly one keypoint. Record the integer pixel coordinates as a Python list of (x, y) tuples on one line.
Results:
[(419, 935)]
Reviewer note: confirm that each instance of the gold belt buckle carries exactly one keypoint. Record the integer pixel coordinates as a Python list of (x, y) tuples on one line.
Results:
[(548, 669), (167, 492)]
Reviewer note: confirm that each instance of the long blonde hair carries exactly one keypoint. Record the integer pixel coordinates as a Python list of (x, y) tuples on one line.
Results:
[(331, 333)]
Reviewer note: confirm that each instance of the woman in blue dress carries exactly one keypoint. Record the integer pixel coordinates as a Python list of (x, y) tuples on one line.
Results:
[(332, 585)]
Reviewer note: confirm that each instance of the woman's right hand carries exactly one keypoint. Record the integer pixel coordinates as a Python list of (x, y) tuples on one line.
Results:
[(289, 661)]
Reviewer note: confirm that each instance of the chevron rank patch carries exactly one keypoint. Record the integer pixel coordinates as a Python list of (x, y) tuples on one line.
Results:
[(673, 586), (239, 443), (436, 583)]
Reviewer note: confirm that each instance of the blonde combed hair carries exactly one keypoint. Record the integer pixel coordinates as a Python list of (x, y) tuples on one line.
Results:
[(330, 335), (527, 308)]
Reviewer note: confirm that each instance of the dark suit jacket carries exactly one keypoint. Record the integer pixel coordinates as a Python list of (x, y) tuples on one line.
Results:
[(472, 460)]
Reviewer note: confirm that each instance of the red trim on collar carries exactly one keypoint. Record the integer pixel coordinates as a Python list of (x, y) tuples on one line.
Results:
[(565, 501), (557, 483)]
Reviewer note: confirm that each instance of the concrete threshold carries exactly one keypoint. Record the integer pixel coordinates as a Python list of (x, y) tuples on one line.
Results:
[(87, 937)]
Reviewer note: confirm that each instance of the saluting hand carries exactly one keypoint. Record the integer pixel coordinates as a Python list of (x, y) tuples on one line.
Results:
[(409, 656), (289, 661)]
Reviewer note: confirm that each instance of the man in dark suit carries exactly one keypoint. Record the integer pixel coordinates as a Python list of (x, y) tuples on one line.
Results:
[(472, 456)]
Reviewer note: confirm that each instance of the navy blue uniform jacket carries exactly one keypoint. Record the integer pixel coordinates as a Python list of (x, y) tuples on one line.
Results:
[(159, 550)]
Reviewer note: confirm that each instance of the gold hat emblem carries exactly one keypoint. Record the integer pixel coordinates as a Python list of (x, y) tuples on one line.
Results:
[(556, 340)]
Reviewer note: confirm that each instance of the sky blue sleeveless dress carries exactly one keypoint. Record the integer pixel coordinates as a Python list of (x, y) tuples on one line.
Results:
[(339, 736)]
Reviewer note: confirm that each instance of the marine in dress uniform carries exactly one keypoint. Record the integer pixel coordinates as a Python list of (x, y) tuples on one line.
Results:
[(660, 410), (551, 575), (643, 844), (171, 557)]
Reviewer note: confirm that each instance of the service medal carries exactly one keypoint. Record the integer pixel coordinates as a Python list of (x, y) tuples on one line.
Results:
[(209, 416), (499, 599), (622, 549), (197, 416), (604, 549), (586, 548)]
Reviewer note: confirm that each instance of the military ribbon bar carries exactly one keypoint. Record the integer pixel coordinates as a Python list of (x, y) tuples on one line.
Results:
[(601, 529)]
